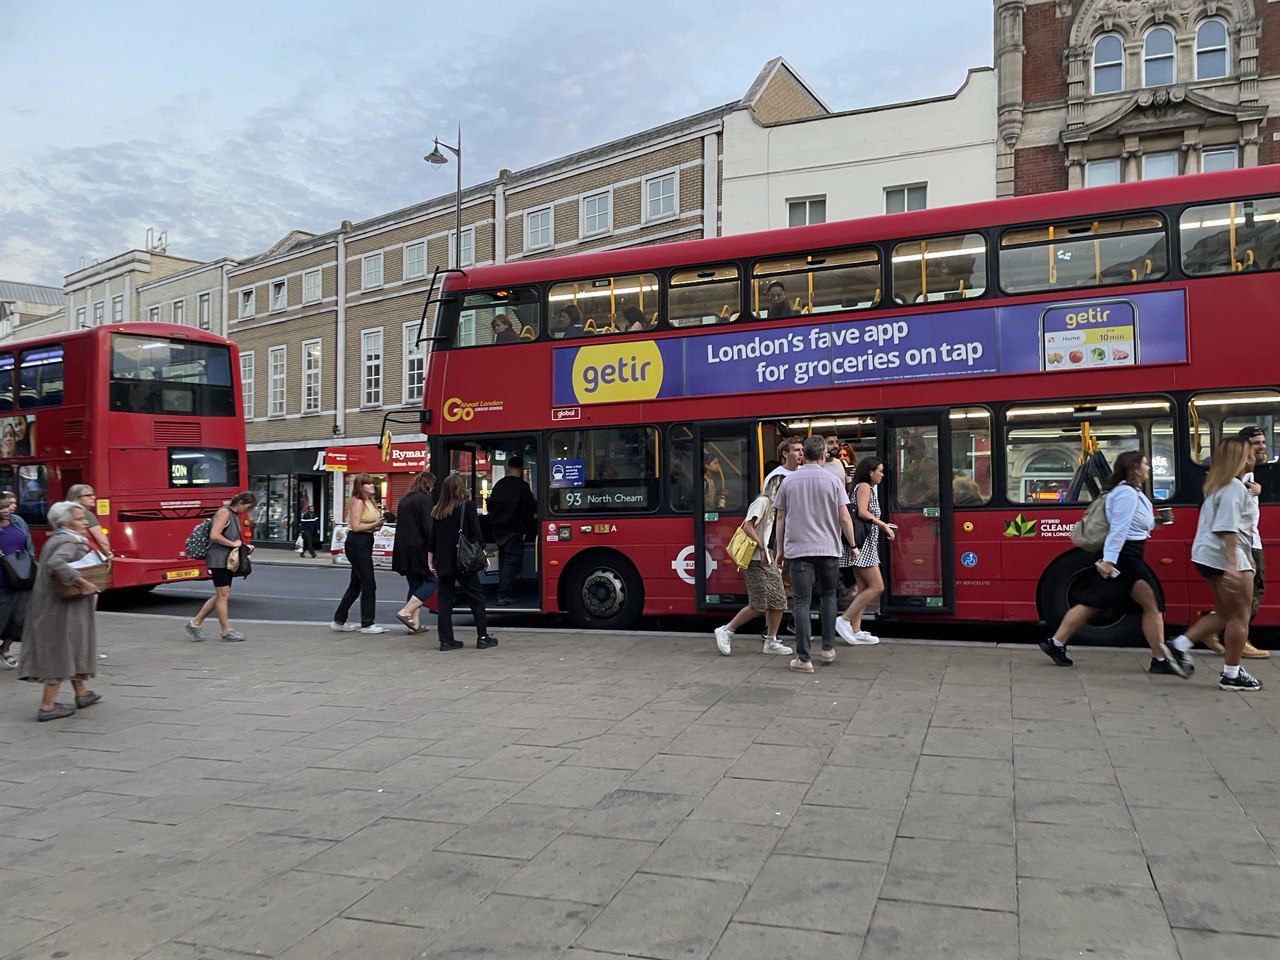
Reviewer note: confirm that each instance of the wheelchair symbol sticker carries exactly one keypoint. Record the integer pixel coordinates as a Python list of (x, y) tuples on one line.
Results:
[(969, 559)]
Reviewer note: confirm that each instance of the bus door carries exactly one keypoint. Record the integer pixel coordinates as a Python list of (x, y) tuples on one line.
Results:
[(726, 459), (483, 462), (916, 495)]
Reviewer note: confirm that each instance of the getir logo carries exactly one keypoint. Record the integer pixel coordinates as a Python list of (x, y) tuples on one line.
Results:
[(608, 372)]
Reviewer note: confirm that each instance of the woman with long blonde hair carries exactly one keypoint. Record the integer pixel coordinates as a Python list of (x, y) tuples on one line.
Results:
[(1222, 552)]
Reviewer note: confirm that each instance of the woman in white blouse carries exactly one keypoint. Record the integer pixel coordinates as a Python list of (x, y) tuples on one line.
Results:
[(1124, 573)]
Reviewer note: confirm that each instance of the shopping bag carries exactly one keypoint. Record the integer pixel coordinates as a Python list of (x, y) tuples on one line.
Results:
[(741, 548)]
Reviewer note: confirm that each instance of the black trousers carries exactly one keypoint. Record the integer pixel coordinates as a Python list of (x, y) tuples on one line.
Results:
[(469, 585), (359, 551), (510, 557), (308, 544)]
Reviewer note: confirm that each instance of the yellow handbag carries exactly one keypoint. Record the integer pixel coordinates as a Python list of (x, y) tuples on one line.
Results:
[(741, 548)]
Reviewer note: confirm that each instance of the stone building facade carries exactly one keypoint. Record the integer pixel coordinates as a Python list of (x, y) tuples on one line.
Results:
[(195, 297), (1109, 91), (107, 292)]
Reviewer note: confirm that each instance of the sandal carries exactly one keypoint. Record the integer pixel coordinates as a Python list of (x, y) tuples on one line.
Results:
[(408, 623)]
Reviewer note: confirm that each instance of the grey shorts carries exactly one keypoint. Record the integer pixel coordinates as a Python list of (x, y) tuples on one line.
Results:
[(764, 587)]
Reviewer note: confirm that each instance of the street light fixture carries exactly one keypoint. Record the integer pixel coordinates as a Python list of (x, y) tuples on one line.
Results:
[(436, 158)]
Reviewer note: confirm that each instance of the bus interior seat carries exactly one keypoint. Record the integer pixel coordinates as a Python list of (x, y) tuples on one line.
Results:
[(589, 326), (527, 333)]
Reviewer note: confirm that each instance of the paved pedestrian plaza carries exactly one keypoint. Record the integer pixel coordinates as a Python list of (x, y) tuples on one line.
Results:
[(310, 795)]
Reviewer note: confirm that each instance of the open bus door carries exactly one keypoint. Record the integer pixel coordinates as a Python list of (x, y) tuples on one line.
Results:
[(726, 463), (482, 462), (916, 495)]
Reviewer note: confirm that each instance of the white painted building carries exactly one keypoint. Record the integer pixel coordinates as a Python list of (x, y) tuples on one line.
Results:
[(860, 163)]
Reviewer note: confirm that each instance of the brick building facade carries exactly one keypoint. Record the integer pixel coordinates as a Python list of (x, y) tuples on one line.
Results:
[(1109, 91)]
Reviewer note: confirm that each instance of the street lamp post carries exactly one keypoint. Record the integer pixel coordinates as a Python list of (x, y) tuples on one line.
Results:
[(436, 158)]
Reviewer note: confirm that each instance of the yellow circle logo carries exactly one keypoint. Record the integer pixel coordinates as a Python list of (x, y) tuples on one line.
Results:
[(605, 373), (968, 527), (455, 409)]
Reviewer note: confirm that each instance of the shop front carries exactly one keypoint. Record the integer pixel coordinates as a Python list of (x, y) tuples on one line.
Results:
[(391, 478), (287, 483)]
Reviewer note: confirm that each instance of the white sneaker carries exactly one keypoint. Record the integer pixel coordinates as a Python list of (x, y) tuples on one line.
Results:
[(724, 638), (342, 627), (373, 629), (867, 638), (844, 630), (771, 645)]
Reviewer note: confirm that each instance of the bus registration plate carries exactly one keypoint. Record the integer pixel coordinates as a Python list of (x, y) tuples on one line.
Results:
[(181, 574)]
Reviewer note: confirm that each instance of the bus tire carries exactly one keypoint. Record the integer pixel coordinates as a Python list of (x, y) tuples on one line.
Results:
[(601, 590), (1062, 579)]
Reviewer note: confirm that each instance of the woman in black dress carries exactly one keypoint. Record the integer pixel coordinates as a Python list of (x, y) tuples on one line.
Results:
[(409, 553), (453, 514)]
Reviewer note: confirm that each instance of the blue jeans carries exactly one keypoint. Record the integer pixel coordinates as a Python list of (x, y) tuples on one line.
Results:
[(805, 571), (421, 587)]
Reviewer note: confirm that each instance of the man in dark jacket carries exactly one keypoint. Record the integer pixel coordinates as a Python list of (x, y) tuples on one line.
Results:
[(512, 509), (309, 530)]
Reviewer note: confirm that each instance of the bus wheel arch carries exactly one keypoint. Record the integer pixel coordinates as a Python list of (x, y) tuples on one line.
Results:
[(1055, 594), (602, 590)]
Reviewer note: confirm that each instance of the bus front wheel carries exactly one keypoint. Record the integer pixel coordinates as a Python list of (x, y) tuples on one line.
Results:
[(603, 592), (1059, 590)]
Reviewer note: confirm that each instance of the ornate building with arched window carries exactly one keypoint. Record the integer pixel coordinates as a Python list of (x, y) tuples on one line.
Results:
[(1109, 91)]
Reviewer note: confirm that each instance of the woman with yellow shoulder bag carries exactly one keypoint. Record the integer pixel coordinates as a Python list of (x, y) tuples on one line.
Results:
[(765, 593)]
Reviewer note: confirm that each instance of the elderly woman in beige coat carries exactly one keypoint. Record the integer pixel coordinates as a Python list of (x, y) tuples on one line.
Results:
[(59, 642)]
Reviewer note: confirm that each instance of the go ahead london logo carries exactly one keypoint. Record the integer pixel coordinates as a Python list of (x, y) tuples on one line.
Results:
[(1020, 526)]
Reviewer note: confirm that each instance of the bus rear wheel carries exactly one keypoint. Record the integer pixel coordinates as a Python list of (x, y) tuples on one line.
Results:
[(1059, 590), (603, 592)]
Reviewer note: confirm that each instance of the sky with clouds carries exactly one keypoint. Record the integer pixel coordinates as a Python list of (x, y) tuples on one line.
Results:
[(229, 124)]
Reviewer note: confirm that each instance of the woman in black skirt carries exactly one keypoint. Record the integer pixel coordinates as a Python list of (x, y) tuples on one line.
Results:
[(1124, 574)]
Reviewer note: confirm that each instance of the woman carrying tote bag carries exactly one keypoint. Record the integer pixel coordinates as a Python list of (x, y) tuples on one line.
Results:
[(456, 524)]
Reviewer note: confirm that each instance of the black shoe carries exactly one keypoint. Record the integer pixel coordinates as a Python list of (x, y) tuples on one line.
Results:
[(451, 644), (88, 699), (1166, 667), (1181, 661), (506, 601), (1056, 653), (59, 711), (484, 643), (1242, 682)]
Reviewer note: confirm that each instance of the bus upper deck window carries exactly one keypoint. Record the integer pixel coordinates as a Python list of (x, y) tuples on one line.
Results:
[(940, 268), (704, 296), (6, 381), (603, 306), (498, 317), (1088, 253), (816, 283), (1234, 237)]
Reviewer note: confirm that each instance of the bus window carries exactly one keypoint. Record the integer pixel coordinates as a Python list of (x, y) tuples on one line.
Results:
[(817, 283), (1214, 416), (6, 381), (176, 377), (609, 469), (1047, 444), (1231, 237), (970, 456), (705, 296), (1089, 253), (940, 268), (40, 377), (32, 490), (499, 316), (192, 467), (606, 305)]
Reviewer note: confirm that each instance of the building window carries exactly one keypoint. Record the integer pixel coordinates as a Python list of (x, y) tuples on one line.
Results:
[(117, 309), (660, 197), (311, 286), (279, 294), (415, 260), (1159, 64), (415, 363), (179, 311), (246, 383), (910, 197), (1108, 64), (1211, 50), (1101, 173), (246, 302), (1155, 166), (537, 228), (204, 311), (153, 314), (311, 376), (371, 367), (468, 247), (597, 213), (1211, 161), (99, 316), (275, 382), (80, 314), (801, 213), (371, 271)]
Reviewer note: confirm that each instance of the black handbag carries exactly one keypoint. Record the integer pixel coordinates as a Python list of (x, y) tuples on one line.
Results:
[(19, 570), (861, 528), (471, 555)]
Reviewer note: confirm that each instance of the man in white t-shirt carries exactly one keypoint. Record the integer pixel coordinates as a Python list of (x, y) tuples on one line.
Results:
[(790, 455)]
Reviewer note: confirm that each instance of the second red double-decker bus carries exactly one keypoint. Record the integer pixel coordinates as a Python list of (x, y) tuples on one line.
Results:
[(147, 413), (996, 356)]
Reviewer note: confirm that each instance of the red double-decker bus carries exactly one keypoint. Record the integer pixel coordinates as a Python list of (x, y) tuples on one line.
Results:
[(996, 356), (148, 413)]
